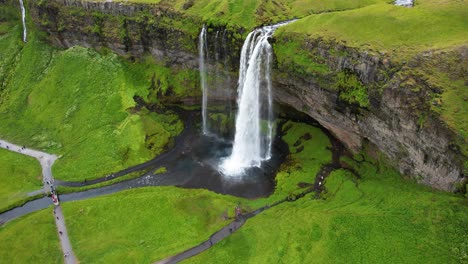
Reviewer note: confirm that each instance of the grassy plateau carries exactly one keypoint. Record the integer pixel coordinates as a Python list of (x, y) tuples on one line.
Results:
[(401, 31)]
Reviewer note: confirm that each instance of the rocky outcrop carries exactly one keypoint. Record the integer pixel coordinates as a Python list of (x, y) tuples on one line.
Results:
[(360, 96)]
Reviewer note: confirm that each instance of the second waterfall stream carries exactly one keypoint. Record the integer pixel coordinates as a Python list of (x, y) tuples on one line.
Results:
[(23, 18)]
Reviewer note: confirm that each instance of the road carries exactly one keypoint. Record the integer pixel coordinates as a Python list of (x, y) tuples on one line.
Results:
[(47, 160)]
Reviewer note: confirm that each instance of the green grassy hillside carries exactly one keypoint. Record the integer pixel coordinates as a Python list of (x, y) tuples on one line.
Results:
[(386, 28), (79, 104)]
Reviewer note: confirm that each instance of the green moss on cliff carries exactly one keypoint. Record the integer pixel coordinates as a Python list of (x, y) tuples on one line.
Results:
[(291, 55), (351, 90)]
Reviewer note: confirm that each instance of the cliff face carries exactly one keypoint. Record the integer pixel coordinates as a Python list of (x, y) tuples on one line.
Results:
[(396, 116), (359, 96), (131, 30)]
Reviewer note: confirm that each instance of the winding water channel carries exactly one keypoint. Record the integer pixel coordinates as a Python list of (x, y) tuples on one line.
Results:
[(190, 164)]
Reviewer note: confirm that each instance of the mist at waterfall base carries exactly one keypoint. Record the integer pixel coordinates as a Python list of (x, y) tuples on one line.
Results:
[(198, 166)]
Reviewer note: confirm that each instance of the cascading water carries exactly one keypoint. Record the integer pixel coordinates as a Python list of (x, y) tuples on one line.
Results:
[(23, 17), (406, 3), (202, 50), (215, 83), (252, 144)]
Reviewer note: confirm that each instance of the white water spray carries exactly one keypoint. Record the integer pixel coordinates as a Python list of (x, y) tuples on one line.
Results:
[(23, 17), (406, 3), (201, 64), (251, 144)]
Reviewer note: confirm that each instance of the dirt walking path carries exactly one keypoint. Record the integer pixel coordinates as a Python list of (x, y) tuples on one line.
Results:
[(47, 160)]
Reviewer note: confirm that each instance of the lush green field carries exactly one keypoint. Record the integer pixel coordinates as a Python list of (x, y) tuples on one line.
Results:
[(383, 27), (79, 104), (31, 239), (107, 228), (144, 225), (378, 218), (19, 175)]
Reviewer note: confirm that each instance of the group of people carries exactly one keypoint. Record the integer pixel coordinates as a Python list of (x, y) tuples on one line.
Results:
[(19, 150), (53, 193)]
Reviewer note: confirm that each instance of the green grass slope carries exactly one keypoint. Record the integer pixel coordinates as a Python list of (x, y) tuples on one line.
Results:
[(378, 218), (79, 104), (31, 239), (19, 174), (383, 27), (144, 225)]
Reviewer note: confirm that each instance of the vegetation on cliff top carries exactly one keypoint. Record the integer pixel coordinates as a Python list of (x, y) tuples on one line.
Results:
[(395, 30), (251, 13)]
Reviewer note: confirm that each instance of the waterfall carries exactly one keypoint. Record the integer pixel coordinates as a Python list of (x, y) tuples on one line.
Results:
[(406, 3), (202, 49), (252, 144), (23, 17), (214, 82)]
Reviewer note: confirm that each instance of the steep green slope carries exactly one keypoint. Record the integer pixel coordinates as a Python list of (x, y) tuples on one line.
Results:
[(79, 104)]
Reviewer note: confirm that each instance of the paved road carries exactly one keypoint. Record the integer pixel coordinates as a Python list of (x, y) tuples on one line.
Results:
[(47, 160)]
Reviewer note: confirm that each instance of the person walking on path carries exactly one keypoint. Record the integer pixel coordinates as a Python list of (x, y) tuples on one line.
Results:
[(47, 160)]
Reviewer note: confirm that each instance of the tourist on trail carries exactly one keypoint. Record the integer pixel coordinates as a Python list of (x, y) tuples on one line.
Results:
[(238, 211)]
